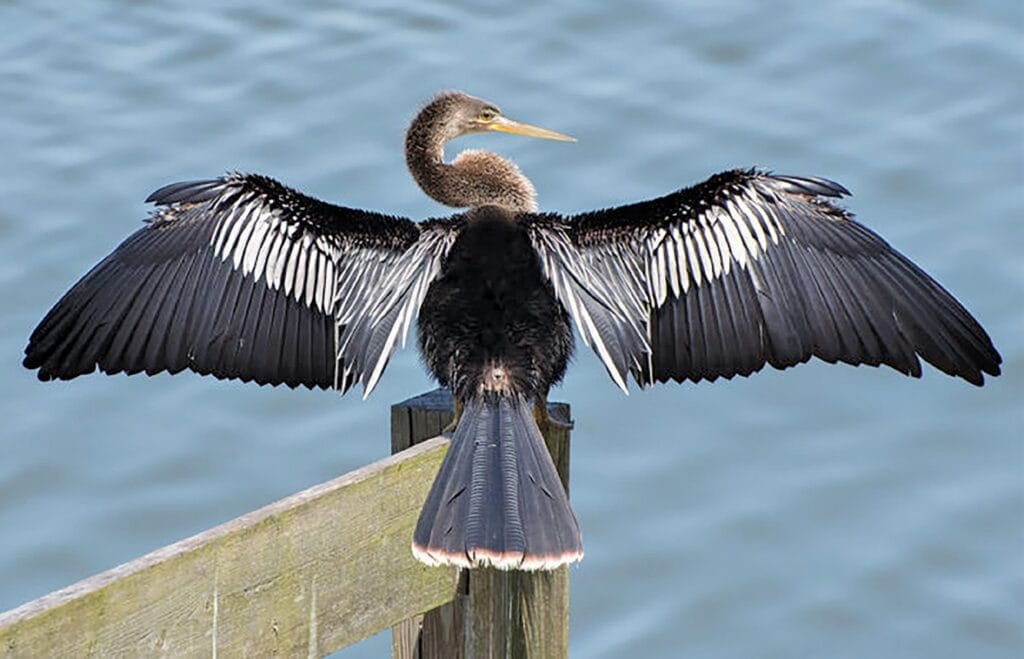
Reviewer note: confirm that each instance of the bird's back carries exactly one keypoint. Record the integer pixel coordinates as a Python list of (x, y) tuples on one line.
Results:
[(492, 308)]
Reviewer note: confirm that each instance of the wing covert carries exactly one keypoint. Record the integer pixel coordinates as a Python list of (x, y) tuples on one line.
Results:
[(237, 277), (747, 269)]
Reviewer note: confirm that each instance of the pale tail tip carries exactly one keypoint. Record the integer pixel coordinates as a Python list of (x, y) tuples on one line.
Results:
[(478, 558)]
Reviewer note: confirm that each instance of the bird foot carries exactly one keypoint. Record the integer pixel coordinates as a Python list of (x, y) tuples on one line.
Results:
[(450, 428)]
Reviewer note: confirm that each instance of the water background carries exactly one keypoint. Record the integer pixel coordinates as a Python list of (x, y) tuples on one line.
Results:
[(821, 511)]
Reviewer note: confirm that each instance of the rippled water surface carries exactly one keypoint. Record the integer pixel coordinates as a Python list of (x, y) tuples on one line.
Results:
[(822, 511)]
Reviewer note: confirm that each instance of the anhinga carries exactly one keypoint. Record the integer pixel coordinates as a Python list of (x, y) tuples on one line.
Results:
[(242, 277)]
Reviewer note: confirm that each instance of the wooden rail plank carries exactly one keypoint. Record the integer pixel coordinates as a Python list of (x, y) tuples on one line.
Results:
[(304, 576)]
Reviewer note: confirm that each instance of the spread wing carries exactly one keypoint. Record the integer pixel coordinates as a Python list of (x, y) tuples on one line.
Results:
[(242, 277), (747, 269)]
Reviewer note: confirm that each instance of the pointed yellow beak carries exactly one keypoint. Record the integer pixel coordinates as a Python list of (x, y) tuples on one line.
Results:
[(503, 125)]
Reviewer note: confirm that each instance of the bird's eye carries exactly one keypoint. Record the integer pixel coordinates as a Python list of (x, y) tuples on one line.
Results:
[(487, 114)]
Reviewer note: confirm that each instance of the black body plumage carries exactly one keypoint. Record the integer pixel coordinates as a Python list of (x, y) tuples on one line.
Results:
[(492, 331), (242, 277), (491, 307)]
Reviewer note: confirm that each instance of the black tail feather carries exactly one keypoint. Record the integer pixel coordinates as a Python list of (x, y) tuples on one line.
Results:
[(497, 499)]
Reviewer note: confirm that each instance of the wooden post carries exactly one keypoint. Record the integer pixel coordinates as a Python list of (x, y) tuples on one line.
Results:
[(496, 613)]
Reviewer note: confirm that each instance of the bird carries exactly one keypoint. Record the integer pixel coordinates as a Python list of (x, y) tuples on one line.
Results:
[(241, 277)]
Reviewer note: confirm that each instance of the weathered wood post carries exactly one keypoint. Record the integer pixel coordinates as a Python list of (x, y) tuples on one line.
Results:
[(495, 613)]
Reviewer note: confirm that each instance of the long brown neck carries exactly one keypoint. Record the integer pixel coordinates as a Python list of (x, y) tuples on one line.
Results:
[(474, 178)]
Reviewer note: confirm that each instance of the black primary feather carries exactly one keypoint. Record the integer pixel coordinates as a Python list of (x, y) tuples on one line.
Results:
[(747, 269), (232, 278)]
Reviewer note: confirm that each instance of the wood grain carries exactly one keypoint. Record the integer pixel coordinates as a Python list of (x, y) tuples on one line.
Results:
[(303, 576)]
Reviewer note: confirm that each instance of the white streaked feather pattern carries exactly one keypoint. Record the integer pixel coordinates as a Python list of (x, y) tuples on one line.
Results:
[(672, 248), (340, 262)]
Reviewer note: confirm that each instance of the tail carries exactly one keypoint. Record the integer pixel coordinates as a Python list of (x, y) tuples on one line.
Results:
[(497, 499)]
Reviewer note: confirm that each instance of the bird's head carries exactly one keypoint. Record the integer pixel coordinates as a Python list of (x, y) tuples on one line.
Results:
[(462, 114)]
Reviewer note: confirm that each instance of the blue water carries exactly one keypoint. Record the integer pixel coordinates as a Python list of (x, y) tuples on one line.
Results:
[(822, 511)]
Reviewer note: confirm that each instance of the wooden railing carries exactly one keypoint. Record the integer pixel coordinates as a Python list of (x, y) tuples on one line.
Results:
[(311, 574)]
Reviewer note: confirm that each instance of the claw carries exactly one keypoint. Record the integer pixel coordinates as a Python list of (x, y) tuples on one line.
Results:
[(450, 428)]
